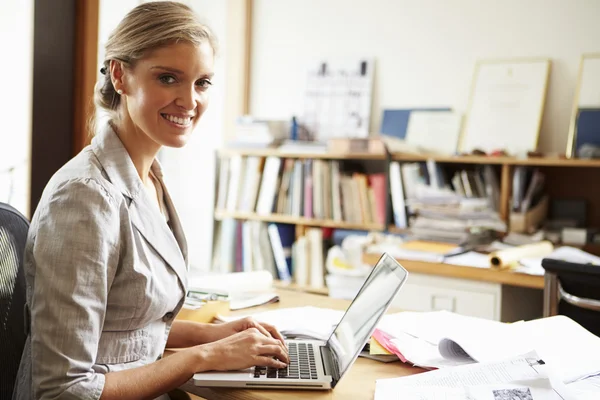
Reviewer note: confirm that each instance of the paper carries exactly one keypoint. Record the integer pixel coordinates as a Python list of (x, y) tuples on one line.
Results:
[(469, 259), (510, 257), (586, 389), (507, 102), (375, 348), (523, 377), (235, 282), (429, 247), (423, 354), (434, 131), (441, 339), (533, 265), (434, 326), (589, 89), (415, 336), (300, 322), (241, 302), (572, 358)]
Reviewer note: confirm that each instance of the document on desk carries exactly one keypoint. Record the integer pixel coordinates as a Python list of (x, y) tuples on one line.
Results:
[(417, 336), (443, 339), (586, 389), (298, 322), (523, 377), (572, 351)]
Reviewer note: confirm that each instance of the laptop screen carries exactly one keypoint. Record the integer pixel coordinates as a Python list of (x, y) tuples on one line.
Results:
[(369, 305)]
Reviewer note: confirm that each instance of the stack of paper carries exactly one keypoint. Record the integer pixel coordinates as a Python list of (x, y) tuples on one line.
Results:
[(443, 339), (242, 289), (523, 377)]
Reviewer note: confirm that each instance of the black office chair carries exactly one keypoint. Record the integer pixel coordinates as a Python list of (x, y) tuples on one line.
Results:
[(573, 290), (13, 235)]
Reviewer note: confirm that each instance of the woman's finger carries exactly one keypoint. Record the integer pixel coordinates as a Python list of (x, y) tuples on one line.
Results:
[(260, 328), (274, 350), (274, 332), (264, 361)]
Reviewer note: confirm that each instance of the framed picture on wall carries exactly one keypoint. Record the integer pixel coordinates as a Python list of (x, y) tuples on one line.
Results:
[(584, 128), (506, 106), (338, 97)]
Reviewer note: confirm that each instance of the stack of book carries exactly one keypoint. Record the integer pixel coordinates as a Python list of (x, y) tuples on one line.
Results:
[(436, 208)]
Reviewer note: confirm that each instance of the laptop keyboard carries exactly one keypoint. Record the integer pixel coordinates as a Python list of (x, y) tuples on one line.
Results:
[(302, 364)]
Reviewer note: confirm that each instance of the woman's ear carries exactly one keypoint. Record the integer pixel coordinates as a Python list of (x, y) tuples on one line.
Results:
[(117, 72)]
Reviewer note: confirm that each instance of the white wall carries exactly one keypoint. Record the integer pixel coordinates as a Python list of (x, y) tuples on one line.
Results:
[(16, 70), (425, 50), (189, 172)]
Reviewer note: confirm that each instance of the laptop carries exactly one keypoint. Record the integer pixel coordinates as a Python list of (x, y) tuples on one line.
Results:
[(318, 364)]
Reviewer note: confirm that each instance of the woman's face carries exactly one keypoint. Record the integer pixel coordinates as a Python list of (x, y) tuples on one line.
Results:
[(167, 91)]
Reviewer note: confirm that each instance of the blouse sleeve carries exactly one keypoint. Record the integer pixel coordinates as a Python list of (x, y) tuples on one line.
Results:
[(75, 255)]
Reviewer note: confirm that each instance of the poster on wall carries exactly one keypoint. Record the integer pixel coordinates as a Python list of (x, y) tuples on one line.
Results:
[(506, 106), (337, 100)]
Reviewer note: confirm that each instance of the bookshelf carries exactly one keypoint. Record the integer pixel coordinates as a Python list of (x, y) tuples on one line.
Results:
[(287, 219), (565, 178)]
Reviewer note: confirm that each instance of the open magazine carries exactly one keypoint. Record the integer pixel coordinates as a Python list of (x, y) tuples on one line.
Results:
[(443, 339)]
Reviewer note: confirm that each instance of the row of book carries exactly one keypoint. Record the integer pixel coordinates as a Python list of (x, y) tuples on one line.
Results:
[(301, 188), (245, 246)]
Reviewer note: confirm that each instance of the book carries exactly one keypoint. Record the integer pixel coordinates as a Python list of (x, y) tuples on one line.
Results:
[(278, 253)]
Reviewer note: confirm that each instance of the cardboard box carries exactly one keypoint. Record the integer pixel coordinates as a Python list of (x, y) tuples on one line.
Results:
[(530, 221)]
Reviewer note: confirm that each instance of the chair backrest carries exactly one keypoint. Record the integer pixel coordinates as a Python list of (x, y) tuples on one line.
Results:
[(13, 236), (573, 290)]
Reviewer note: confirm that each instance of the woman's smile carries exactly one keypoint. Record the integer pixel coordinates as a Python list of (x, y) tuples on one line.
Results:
[(178, 121)]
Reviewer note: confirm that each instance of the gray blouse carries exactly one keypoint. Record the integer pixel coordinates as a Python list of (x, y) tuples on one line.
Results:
[(106, 275)]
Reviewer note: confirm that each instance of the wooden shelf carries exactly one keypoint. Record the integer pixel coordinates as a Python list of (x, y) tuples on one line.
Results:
[(557, 162), (452, 159), (505, 277), (288, 219), (277, 153), (532, 161)]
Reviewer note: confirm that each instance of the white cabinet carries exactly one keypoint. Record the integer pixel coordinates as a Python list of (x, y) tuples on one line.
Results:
[(467, 297)]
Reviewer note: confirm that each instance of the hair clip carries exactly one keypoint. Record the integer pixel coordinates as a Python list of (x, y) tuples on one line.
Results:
[(103, 71)]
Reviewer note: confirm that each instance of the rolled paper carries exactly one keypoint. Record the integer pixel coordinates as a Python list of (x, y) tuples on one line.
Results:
[(509, 257)]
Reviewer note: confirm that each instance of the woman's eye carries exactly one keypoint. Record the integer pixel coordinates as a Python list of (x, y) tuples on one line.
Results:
[(203, 83), (168, 79)]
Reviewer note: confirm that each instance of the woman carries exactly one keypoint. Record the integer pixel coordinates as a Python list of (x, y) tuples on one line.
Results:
[(106, 258)]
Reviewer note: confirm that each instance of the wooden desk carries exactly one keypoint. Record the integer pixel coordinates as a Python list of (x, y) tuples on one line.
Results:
[(504, 277), (358, 383)]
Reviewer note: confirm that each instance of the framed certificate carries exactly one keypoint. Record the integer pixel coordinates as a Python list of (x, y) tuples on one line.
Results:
[(506, 106), (585, 117)]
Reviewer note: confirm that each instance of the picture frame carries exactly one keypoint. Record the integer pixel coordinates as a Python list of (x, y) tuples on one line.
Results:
[(506, 105), (585, 113)]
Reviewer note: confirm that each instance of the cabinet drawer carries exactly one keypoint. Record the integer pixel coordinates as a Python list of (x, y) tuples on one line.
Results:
[(432, 293)]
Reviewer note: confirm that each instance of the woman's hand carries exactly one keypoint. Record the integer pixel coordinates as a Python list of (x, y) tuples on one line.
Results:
[(242, 350), (221, 331)]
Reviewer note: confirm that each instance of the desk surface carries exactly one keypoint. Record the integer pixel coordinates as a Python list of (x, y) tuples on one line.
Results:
[(358, 383), (505, 277)]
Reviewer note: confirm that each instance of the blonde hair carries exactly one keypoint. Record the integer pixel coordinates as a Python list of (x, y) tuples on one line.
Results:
[(145, 28)]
